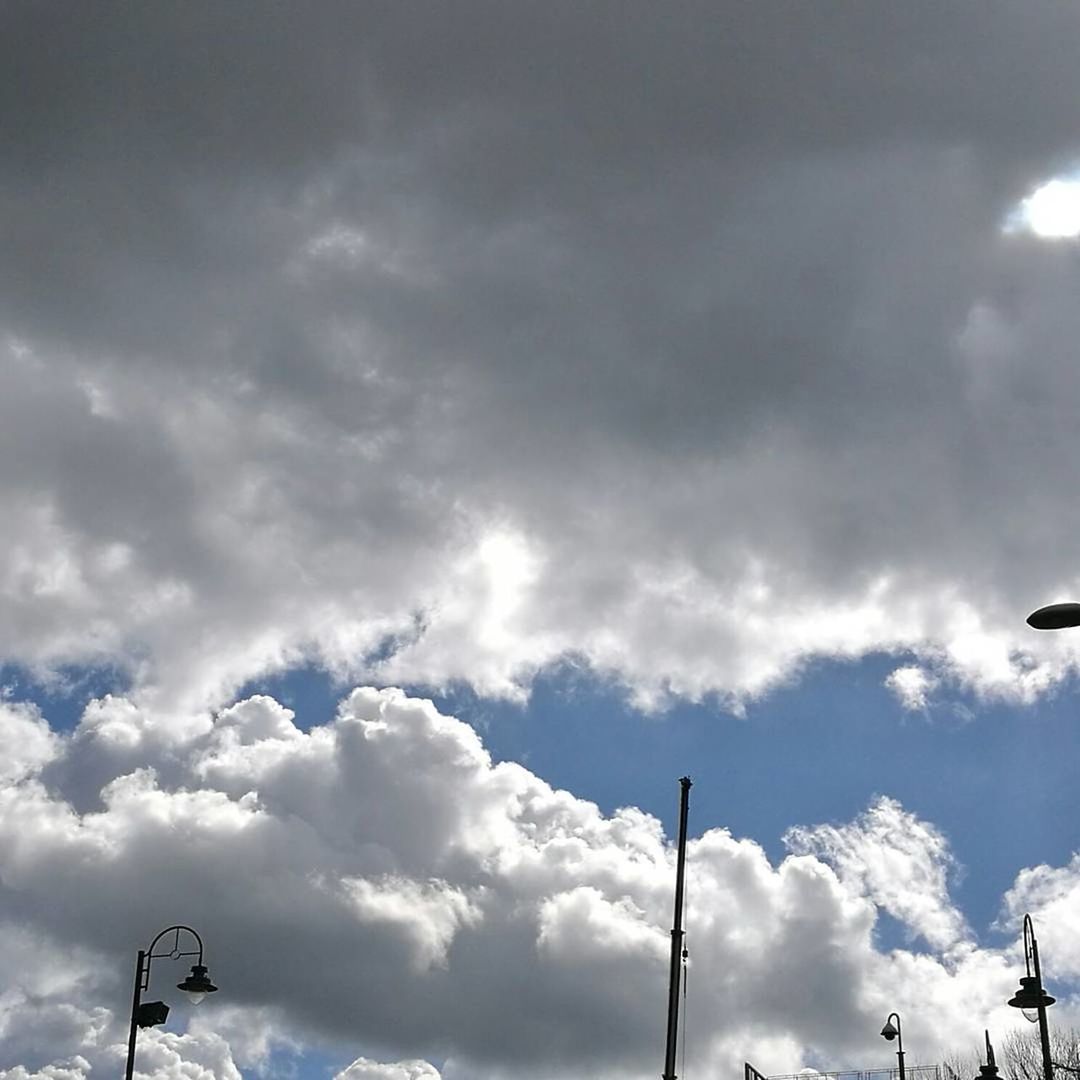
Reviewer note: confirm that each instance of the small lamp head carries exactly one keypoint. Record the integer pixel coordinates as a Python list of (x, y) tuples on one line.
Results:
[(197, 985)]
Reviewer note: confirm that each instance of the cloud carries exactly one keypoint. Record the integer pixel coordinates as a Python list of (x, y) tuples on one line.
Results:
[(28, 741), (364, 1069), (643, 338), (165, 1056), (901, 863), (71, 1069), (377, 883), (443, 346), (911, 684), (1049, 894), (431, 912)]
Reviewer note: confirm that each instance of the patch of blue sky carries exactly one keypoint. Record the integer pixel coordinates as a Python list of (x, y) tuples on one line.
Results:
[(309, 690), (997, 779), (285, 1062), (307, 1062), (63, 694)]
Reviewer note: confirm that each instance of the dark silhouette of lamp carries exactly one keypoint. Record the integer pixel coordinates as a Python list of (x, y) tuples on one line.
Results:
[(151, 1013), (1055, 617), (197, 985), (892, 1031), (1031, 998), (988, 1071)]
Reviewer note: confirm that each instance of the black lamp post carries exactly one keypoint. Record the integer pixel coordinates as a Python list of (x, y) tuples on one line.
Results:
[(149, 1013), (892, 1031), (1032, 998)]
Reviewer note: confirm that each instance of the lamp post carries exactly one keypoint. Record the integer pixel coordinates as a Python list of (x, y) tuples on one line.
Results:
[(989, 1070), (1032, 998), (146, 1014), (892, 1031)]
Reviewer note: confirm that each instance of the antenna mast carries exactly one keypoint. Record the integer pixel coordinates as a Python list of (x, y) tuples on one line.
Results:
[(677, 934)]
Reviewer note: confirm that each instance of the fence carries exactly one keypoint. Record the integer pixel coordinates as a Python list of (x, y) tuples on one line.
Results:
[(911, 1072)]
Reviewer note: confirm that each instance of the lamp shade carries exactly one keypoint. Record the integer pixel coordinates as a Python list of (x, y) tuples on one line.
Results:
[(889, 1031), (197, 985), (1031, 996), (1055, 617)]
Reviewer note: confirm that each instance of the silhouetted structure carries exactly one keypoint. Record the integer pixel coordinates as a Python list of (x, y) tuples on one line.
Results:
[(685, 784), (1031, 997), (150, 1013), (988, 1071), (1055, 617), (893, 1031)]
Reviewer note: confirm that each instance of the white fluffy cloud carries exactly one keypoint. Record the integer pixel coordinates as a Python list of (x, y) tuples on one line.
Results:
[(1052, 894), (363, 1069), (378, 884), (899, 862), (912, 686)]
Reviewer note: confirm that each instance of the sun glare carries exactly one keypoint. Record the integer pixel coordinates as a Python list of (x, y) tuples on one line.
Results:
[(1051, 212)]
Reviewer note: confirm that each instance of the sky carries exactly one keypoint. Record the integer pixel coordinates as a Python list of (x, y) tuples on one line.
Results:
[(429, 431)]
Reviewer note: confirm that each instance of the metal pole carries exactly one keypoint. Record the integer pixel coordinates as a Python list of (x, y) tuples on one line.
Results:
[(1044, 1030), (900, 1048), (676, 934), (136, 999)]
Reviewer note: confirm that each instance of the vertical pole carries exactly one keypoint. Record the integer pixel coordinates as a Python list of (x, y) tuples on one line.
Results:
[(1044, 1039), (136, 999), (676, 934), (900, 1048), (1044, 1030)]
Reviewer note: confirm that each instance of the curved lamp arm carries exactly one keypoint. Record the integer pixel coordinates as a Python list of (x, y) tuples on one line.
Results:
[(174, 953), (1031, 949)]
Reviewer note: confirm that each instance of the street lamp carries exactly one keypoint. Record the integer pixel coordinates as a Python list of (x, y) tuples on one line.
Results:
[(989, 1070), (1032, 998), (1055, 617), (892, 1031), (149, 1013)]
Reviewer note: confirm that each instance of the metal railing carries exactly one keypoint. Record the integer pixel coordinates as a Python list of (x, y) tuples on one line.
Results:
[(912, 1072)]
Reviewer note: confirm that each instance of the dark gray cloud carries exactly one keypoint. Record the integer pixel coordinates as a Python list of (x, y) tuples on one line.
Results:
[(685, 310)]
